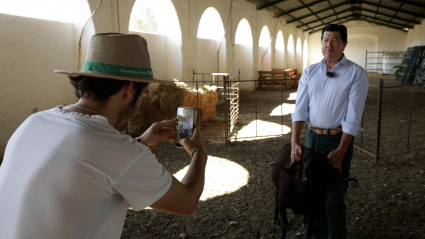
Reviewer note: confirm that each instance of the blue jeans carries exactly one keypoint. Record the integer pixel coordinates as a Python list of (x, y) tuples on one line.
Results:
[(332, 219)]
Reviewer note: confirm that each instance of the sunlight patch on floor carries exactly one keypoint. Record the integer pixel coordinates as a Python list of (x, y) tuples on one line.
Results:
[(222, 177), (259, 129), (292, 96), (284, 109)]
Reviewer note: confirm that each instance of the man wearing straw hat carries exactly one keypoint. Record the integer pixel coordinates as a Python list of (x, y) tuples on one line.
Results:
[(68, 172)]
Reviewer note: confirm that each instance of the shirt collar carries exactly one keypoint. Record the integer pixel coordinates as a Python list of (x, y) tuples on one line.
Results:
[(343, 60)]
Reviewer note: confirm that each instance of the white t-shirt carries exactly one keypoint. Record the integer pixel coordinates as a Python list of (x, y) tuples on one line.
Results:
[(69, 175)]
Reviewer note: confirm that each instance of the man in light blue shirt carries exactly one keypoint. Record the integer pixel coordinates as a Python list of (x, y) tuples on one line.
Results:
[(186, 128), (330, 98)]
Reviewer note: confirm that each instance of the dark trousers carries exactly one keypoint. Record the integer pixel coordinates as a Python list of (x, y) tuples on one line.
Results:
[(332, 219)]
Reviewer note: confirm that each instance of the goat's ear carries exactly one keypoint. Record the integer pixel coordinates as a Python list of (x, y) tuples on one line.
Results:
[(325, 152), (297, 165), (307, 150), (291, 170)]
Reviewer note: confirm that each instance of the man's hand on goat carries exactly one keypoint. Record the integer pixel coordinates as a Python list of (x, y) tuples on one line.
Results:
[(335, 157), (296, 151)]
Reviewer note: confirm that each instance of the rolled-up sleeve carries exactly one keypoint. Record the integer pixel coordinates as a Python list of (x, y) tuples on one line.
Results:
[(301, 112), (356, 102)]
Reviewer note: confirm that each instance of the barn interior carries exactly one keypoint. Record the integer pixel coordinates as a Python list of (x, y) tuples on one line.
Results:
[(246, 38)]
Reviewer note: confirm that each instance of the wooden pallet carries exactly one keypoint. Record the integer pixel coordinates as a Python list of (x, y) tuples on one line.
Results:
[(277, 78)]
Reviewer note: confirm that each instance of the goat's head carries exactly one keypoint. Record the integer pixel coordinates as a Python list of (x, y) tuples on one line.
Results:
[(315, 167)]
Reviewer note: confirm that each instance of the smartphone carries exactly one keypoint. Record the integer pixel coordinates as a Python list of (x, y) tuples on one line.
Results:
[(185, 122)]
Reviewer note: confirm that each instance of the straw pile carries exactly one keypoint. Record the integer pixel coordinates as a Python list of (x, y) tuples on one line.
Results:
[(163, 100)]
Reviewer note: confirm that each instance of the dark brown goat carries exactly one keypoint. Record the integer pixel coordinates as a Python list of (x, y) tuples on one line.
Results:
[(300, 187)]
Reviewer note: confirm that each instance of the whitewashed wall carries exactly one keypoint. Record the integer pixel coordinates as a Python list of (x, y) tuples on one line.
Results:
[(30, 50), (207, 55), (290, 50), (279, 59), (298, 53), (416, 36)]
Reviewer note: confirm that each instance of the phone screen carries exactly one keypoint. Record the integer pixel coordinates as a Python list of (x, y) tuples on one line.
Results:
[(185, 121)]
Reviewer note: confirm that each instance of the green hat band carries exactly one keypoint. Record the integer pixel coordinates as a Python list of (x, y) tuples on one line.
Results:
[(117, 70)]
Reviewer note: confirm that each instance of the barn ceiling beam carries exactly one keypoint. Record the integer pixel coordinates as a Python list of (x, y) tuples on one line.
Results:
[(320, 27), (317, 12), (391, 16), (399, 7), (377, 9), (318, 18), (351, 17), (328, 16), (355, 17), (385, 22), (333, 9), (299, 8), (269, 4), (393, 9), (364, 2), (384, 25), (353, 9), (416, 4)]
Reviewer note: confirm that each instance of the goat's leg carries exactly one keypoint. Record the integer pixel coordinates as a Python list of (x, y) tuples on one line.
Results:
[(276, 209), (309, 220), (283, 219)]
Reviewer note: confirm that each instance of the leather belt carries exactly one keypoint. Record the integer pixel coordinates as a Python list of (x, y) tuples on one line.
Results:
[(335, 131)]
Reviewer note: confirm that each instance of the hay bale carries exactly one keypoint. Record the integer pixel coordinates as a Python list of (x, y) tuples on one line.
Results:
[(163, 100), (206, 105)]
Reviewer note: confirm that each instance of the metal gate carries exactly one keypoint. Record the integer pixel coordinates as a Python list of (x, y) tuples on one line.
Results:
[(231, 96), (393, 121), (227, 104)]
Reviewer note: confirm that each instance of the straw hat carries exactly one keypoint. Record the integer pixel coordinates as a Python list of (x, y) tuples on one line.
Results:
[(117, 56)]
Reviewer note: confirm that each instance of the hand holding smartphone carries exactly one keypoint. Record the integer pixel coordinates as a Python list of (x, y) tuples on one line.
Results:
[(185, 123)]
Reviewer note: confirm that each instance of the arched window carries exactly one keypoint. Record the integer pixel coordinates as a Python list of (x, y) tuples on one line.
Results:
[(243, 33), (143, 17), (264, 37), (154, 16), (210, 25), (210, 38), (244, 53), (291, 52), (279, 56), (264, 51), (298, 54), (158, 23), (305, 55), (56, 10)]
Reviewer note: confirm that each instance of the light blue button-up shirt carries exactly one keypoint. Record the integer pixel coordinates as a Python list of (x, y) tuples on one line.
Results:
[(327, 102)]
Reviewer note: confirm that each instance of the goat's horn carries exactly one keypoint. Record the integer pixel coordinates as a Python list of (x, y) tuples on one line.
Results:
[(286, 170)]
